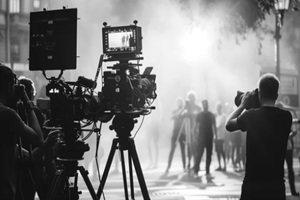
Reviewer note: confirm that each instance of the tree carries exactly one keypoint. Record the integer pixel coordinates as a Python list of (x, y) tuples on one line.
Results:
[(241, 15)]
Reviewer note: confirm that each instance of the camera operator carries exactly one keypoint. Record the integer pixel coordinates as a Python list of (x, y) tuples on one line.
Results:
[(268, 129), (31, 165), (12, 126)]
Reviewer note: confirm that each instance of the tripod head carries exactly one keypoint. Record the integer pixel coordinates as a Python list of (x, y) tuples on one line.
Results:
[(123, 124)]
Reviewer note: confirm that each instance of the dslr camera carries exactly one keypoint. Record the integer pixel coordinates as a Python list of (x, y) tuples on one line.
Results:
[(253, 101)]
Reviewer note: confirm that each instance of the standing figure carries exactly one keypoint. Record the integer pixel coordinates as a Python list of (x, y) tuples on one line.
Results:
[(206, 126), (268, 129), (178, 134), (221, 131), (289, 155), (191, 111), (153, 134)]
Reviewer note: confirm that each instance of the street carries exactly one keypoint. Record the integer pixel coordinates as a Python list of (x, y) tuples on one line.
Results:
[(179, 185)]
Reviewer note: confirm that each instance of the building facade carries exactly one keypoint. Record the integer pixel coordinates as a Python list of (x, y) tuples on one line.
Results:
[(14, 30)]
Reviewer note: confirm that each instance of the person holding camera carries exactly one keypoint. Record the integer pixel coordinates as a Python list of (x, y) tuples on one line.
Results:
[(13, 127), (268, 128)]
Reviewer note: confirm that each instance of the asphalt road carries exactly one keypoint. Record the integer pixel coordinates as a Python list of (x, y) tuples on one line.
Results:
[(177, 184)]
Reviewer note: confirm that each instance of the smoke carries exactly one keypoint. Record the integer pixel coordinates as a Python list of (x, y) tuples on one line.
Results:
[(183, 44)]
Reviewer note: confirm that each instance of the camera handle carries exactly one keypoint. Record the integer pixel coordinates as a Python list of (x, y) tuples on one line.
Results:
[(53, 78), (123, 124)]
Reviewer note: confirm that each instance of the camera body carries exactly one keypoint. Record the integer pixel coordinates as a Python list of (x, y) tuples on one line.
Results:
[(73, 103), (127, 92), (253, 101)]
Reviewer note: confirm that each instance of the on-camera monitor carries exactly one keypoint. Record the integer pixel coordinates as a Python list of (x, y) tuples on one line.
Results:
[(122, 40), (119, 39)]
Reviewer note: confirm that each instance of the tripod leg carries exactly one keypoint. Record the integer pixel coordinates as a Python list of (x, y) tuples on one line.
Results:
[(56, 185), (107, 167), (130, 175), (138, 169), (124, 174), (87, 181)]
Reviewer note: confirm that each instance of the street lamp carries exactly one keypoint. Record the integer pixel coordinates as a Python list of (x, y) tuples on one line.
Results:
[(280, 7)]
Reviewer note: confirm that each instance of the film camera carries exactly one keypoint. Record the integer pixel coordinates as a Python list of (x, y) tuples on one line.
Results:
[(53, 36), (53, 47), (253, 102)]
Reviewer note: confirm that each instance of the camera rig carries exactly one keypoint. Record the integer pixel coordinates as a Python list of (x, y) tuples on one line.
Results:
[(124, 89), (126, 94)]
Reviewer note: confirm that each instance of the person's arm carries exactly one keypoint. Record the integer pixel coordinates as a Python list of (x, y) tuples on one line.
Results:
[(214, 128), (32, 131), (195, 126), (231, 122), (51, 139)]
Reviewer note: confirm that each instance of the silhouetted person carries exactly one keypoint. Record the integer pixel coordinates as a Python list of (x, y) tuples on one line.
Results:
[(289, 156), (268, 129), (289, 162), (206, 130), (153, 134), (178, 134), (191, 111), (12, 127), (221, 131), (236, 150), (32, 167)]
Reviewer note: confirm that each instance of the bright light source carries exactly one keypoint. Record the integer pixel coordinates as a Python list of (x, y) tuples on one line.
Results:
[(197, 44), (281, 5)]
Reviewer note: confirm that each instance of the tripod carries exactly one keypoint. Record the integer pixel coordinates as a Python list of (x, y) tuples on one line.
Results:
[(60, 188), (123, 124)]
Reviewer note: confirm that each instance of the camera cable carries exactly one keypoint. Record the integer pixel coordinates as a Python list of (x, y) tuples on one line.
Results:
[(139, 127)]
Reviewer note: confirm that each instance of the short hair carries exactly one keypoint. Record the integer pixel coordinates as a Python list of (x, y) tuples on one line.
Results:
[(29, 86), (204, 101), (268, 86), (191, 96), (6, 77)]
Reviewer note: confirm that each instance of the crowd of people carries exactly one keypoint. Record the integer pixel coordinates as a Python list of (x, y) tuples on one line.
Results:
[(197, 129)]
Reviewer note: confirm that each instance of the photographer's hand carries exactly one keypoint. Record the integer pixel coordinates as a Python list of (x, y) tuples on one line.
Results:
[(50, 141), (231, 122), (245, 100), (36, 136)]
